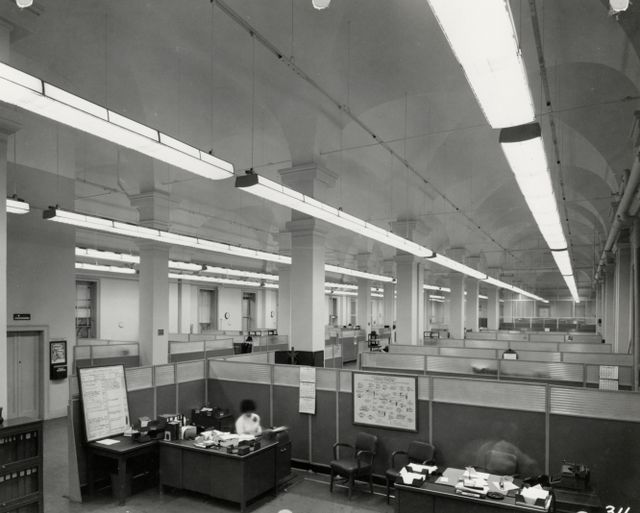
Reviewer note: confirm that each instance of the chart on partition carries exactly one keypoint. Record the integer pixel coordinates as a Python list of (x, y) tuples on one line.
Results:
[(385, 401), (104, 401)]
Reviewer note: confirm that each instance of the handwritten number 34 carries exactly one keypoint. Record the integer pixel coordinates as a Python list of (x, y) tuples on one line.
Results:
[(612, 509)]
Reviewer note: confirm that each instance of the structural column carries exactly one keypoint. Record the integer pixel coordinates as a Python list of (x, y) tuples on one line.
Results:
[(456, 306), (389, 290), (409, 308), (624, 313), (284, 288), (364, 304), (493, 308), (307, 260), (609, 305), (153, 299)]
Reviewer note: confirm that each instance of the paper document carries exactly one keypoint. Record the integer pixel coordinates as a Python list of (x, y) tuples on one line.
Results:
[(470, 472), (507, 486), (107, 441), (408, 477), (415, 467)]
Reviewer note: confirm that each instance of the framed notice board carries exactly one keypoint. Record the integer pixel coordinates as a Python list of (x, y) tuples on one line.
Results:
[(384, 400), (104, 401)]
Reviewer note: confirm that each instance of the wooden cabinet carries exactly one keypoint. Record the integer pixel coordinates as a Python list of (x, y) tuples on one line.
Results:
[(21, 466)]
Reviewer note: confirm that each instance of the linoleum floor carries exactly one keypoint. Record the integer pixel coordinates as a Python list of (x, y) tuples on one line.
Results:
[(307, 492)]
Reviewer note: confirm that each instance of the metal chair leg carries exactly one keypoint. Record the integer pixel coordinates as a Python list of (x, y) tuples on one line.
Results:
[(350, 485), (388, 489), (331, 483), (371, 483)]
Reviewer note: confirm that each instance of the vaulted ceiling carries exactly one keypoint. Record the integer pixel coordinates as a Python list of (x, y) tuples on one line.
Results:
[(191, 71)]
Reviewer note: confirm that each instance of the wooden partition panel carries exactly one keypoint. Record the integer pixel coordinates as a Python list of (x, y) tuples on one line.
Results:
[(323, 427), (285, 413), (191, 395), (229, 395), (166, 401), (465, 434), (140, 404), (609, 448), (389, 440)]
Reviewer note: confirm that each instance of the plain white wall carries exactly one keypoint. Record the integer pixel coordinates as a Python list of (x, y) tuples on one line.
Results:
[(118, 309)]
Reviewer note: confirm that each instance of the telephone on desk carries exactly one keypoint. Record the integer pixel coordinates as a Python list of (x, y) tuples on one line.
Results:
[(574, 476)]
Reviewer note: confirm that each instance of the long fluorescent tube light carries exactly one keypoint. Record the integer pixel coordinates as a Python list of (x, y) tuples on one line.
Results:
[(435, 296), (237, 272), (105, 268), (523, 147), (483, 38), (563, 261), (212, 279), (107, 255), (287, 197), (358, 274), (571, 285), (141, 232), (517, 290), (332, 284), (17, 206), (482, 296), (457, 266), (340, 292), (435, 287), (35, 95)]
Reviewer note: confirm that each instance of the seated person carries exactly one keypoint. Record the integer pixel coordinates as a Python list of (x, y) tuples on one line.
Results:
[(248, 422)]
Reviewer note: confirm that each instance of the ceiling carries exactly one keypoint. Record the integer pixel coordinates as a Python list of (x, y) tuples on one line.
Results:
[(191, 71)]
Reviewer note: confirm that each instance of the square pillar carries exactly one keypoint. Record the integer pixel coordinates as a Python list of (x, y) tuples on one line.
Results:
[(493, 308), (364, 305), (472, 304), (456, 306), (609, 306), (408, 309), (624, 312), (154, 304)]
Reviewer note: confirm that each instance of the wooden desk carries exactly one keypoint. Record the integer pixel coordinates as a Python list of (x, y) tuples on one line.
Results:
[(121, 452), (439, 498), (217, 473)]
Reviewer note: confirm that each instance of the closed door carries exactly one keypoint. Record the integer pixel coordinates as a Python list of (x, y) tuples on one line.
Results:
[(23, 354)]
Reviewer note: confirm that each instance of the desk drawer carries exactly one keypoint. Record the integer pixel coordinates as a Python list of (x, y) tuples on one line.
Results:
[(171, 466)]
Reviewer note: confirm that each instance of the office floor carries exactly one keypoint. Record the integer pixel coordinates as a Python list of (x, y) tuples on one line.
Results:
[(307, 492)]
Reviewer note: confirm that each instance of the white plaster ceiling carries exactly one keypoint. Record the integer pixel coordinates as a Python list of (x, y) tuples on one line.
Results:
[(189, 70)]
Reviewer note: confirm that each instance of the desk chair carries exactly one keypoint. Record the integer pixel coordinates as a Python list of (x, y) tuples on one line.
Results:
[(373, 342), (500, 463), (418, 452), (359, 464)]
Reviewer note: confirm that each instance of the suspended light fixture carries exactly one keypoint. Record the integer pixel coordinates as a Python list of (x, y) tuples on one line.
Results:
[(23, 4), (32, 94), (357, 274), (17, 206), (212, 279), (287, 197), (82, 266), (618, 6), (483, 38), (435, 287), (320, 4)]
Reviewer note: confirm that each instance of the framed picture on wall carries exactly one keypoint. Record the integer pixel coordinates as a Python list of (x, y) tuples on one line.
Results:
[(385, 400)]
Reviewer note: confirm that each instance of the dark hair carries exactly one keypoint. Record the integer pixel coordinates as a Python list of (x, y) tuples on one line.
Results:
[(249, 339), (247, 405)]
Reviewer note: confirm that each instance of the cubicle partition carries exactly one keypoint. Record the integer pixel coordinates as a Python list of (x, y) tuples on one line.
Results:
[(109, 353), (464, 418), (535, 336)]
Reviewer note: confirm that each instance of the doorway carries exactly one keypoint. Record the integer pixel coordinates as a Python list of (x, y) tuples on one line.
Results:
[(248, 309), (24, 373)]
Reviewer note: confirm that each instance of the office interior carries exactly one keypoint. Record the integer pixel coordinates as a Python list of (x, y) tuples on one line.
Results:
[(134, 137)]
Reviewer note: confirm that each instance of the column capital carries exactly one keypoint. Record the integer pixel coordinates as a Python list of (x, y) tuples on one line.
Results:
[(153, 207), (309, 178), (306, 226), (364, 261), (8, 127), (404, 228), (405, 258)]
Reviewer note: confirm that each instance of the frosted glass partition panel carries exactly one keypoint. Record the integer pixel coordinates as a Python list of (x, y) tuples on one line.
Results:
[(218, 343), (568, 347), (513, 335), (186, 347), (287, 375), (546, 337), (625, 375), (326, 379), (481, 335), (598, 358), (539, 356), (547, 371), (595, 403), (407, 349), (471, 366), (487, 344), (164, 375), (138, 378), (468, 352), (190, 371), (584, 338), (406, 362), (239, 371), (551, 347)]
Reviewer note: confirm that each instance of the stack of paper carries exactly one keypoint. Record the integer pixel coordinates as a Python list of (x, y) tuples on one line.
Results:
[(533, 493), (429, 469), (408, 477)]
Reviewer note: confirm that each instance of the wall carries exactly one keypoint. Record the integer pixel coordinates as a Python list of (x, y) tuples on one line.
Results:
[(230, 300), (118, 309), (40, 272)]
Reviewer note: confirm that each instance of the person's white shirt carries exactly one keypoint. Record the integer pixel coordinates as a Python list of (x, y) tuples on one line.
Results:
[(248, 424)]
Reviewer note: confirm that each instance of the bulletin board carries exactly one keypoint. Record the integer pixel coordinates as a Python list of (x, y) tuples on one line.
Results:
[(104, 401), (386, 401)]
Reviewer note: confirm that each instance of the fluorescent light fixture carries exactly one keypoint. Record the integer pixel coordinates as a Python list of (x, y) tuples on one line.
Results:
[(17, 206), (571, 285), (517, 290), (287, 197), (435, 287), (185, 266), (270, 285), (524, 150), (483, 38), (237, 272), (377, 294), (436, 300), (348, 286), (482, 296), (357, 274), (141, 232), (212, 279), (107, 255), (563, 261), (32, 94), (104, 268), (435, 296), (340, 292), (456, 266)]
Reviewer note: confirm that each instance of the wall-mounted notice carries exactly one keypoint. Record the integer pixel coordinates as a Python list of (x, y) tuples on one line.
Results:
[(307, 399), (104, 401), (385, 401)]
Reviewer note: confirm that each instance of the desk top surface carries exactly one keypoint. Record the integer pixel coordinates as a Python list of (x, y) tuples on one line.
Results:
[(18, 421), (447, 490), (216, 451), (125, 445)]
